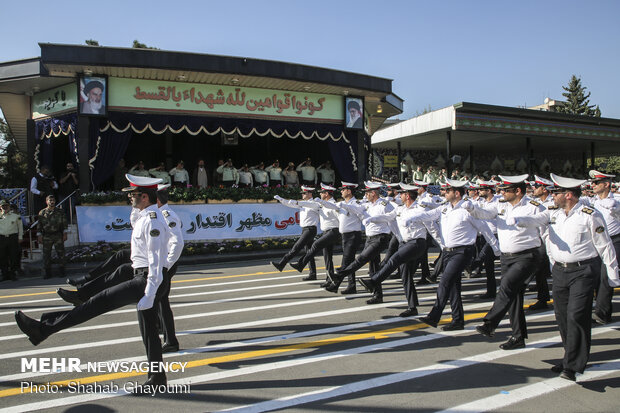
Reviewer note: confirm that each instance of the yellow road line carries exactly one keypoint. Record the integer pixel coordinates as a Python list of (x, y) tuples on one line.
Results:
[(27, 295), (378, 335)]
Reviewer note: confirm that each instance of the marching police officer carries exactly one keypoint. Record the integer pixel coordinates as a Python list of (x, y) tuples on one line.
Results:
[(148, 254), (578, 236), (308, 220), (52, 233), (11, 235)]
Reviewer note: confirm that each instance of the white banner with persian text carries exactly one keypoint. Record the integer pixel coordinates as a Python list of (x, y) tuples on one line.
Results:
[(200, 222)]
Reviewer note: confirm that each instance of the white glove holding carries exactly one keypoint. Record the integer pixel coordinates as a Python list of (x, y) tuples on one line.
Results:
[(467, 205), (510, 221), (146, 302), (607, 203), (278, 198)]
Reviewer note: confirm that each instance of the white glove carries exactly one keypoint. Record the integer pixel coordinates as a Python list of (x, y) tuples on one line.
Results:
[(467, 205), (365, 221), (607, 203), (278, 198), (510, 221), (146, 302)]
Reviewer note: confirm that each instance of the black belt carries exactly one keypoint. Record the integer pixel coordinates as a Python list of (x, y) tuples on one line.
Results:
[(378, 235), (462, 247), (7, 236), (515, 254), (576, 264), (140, 272)]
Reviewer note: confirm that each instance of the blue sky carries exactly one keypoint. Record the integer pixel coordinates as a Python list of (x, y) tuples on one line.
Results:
[(437, 52)]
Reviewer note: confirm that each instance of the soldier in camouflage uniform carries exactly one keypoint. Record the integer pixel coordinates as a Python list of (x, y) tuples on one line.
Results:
[(52, 232)]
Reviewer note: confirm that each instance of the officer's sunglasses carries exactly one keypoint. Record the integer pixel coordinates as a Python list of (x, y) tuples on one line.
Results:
[(135, 194)]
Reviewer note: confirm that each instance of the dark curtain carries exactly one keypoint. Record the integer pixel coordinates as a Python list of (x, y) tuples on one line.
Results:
[(55, 125)]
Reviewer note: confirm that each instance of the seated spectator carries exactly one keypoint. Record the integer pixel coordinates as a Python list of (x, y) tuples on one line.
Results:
[(160, 172), (275, 174), (180, 176), (200, 175), (230, 176), (245, 177), (261, 176), (290, 176), (138, 170), (328, 175)]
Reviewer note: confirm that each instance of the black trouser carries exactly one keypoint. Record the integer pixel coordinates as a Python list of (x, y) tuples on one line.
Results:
[(9, 249), (305, 241), (449, 288), (406, 256), (392, 248), (422, 261), (572, 301), (371, 254), (308, 183), (125, 293), (486, 258), (165, 312), (118, 258), (350, 243), (326, 242), (122, 273), (605, 292), (438, 268), (542, 272), (516, 271)]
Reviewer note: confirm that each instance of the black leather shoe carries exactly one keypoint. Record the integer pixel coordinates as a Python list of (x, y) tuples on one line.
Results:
[(309, 278), (297, 266), (30, 327), (349, 290), (597, 319), (410, 312), (71, 297), (512, 344), (332, 288), (558, 368), (538, 305), (485, 330), (423, 281), (278, 266), (568, 375), (169, 348), (453, 327), (325, 284), (428, 321), (486, 296), (368, 284), (374, 300), (156, 380)]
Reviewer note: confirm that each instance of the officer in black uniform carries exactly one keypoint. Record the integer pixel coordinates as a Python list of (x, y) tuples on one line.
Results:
[(148, 254)]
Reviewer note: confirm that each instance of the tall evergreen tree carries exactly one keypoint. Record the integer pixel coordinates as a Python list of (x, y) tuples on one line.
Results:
[(13, 164), (577, 101)]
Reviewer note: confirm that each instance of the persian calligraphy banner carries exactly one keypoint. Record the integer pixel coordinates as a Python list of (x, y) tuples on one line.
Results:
[(220, 99), (54, 101), (199, 222)]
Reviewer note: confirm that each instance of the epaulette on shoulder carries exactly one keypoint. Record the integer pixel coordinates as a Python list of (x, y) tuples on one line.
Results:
[(553, 207), (502, 200), (165, 213), (152, 214), (535, 203), (587, 210), (384, 203)]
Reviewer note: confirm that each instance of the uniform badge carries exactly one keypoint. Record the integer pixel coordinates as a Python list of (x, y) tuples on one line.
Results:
[(172, 224), (383, 203), (587, 210), (165, 213), (534, 203), (502, 212), (154, 233), (153, 215), (552, 221), (600, 230)]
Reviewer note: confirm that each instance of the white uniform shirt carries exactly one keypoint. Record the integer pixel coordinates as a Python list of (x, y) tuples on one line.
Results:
[(275, 173), (367, 210), (578, 236), (308, 173), (458, 227), (261, 176), (175, 235), (433, 201), (347, 220), (483, 203), (244, 177), (149, 247), (328, 217), (327, 175), (179, 175), (511, 238), (228, 173), (308, 217), (404, 233), (609, 215)]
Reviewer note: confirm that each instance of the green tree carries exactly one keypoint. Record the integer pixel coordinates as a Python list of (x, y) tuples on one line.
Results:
[(13, 165), (577, 101), (92, 42), (138, 45)]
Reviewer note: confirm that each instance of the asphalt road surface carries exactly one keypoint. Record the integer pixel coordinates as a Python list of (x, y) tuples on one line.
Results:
[(255, 340)]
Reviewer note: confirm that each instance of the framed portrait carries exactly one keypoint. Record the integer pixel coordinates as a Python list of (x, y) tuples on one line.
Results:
[(354, 112), (93, 95)]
